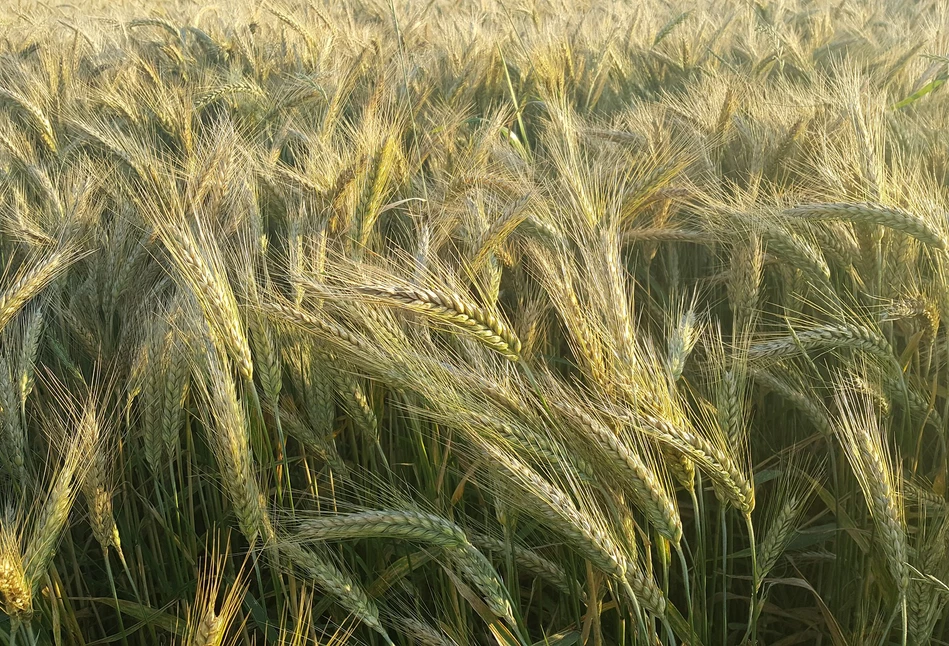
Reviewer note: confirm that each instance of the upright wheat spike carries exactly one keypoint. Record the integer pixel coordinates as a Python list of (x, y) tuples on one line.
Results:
[(175, 366), (15, 588)]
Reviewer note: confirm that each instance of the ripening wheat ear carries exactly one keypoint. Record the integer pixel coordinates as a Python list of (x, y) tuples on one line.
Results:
[(347, 592), (634, 463), (208, 623), (868, 213), (746, 264), (15, 589), (685, 328), (425, 527), (452, 308), (16, 450), (31, 278), (583, 527), (47, 527), (787, 503), (200, 266), (226, 425), (97, 485), (863, 439)]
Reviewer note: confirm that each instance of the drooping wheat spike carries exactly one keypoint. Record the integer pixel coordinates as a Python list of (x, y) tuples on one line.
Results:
[(554, 507), (798, 252), (714, 460), (31, 278), (378, 322), (226, 426), (228, 90), (497, 232), (869, 213), (453, 309), (314, 324), (422, 633), (535, 441), (652, 234), (639, 474), (201, 268), (529, 560), (324, 445), (863, 441), (40, 121), (356, 403), (922, 495), (680, 466), (325, 574), (897, 390), (657, 413), (416, 526), (810, 406), (587, 344), (845, 336), (838, 242)]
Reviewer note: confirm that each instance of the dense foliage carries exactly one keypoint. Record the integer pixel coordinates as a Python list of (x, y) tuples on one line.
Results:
[(481, 323)]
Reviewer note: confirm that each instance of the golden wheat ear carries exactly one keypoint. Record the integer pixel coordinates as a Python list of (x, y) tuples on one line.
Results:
[(211, 617), (15, 588), (863, 438)]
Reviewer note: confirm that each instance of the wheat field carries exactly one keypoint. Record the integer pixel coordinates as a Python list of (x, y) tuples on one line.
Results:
[(492, 322)]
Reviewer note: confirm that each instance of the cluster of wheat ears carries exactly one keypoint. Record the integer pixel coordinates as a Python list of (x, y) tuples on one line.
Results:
[(516, 323)]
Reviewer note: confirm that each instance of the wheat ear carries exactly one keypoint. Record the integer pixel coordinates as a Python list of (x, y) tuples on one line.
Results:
[(453, 309), (869, 213)]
